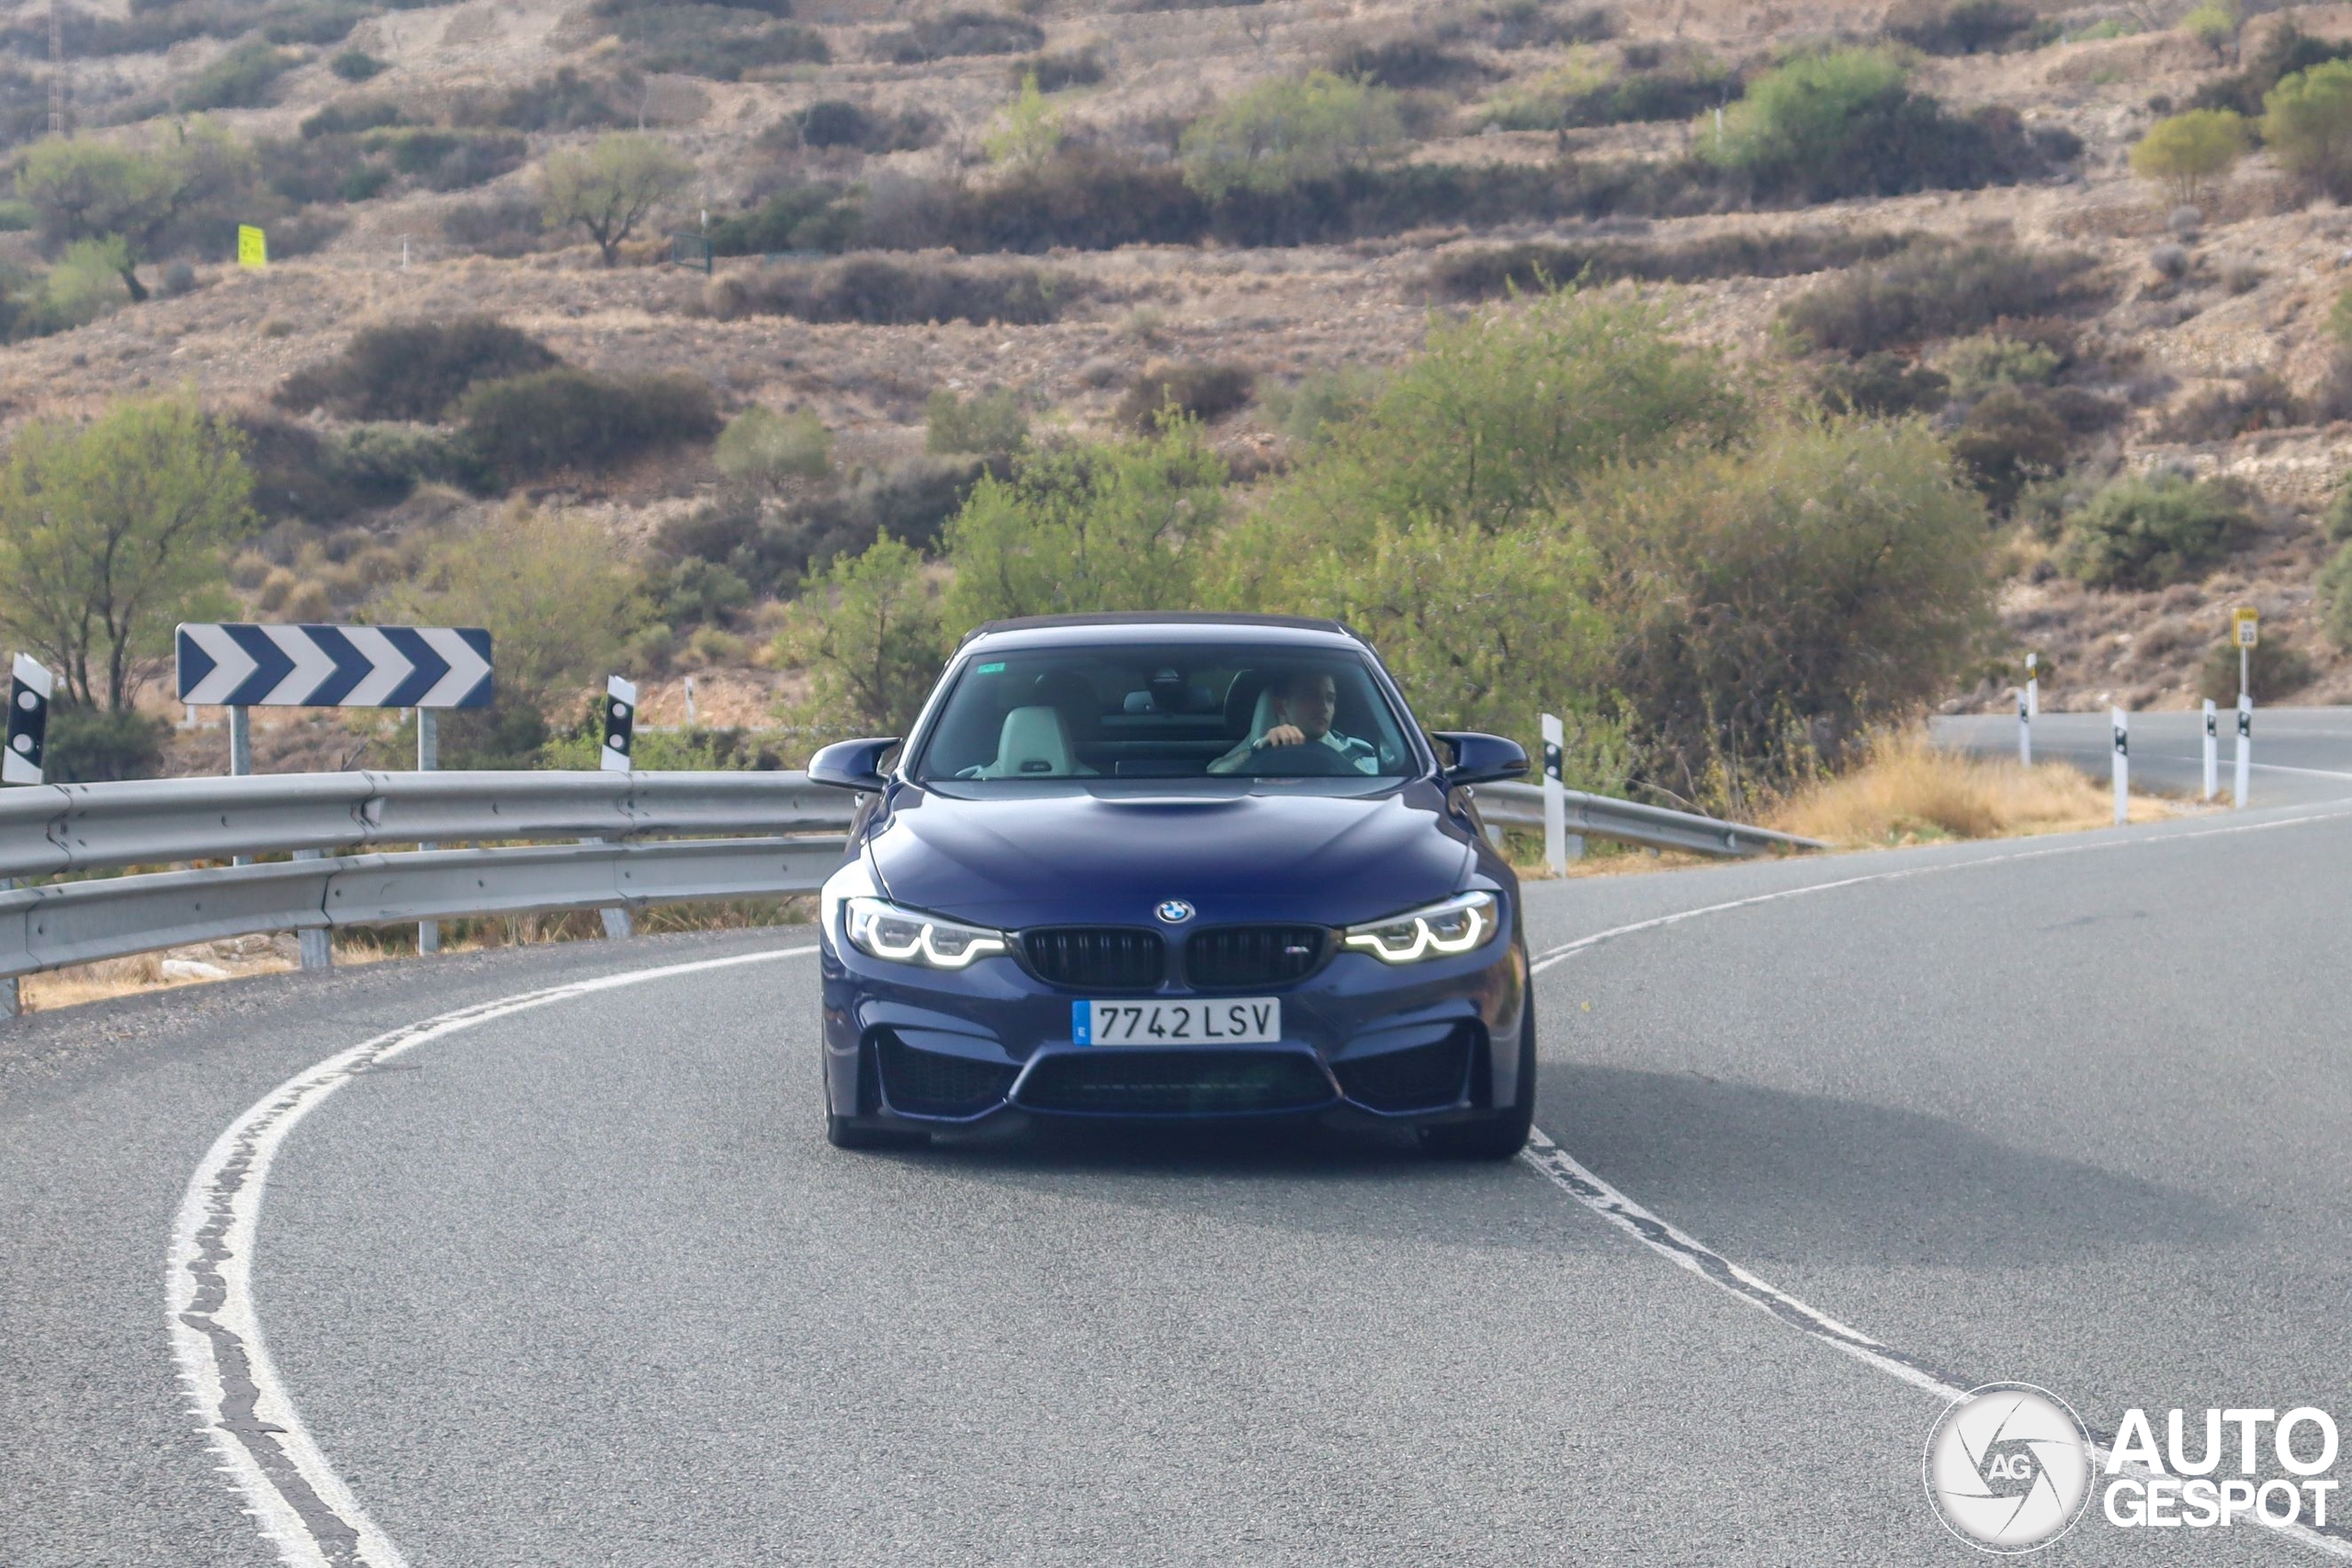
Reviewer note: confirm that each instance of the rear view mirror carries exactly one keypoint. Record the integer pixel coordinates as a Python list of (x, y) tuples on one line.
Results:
[(1481, 759), (852, 764)]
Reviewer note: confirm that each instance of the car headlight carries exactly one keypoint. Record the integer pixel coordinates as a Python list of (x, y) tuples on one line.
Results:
[(882, 929), (1458, 925)]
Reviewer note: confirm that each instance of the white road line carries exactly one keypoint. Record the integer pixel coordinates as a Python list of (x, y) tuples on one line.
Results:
[(296, 1498), (1686, 1251)]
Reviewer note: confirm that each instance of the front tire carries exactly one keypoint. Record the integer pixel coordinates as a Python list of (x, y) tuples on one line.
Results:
[(848, 1132), (1497, 1135)]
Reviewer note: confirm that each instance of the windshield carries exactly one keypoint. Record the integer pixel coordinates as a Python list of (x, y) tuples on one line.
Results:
[(1166, 712)]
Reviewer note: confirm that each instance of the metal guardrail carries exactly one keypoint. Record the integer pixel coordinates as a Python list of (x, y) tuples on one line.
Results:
[(55, 829), (63, 828), (1630, 822)]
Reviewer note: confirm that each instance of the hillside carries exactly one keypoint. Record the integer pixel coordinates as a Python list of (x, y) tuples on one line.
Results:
[(2215, 360)]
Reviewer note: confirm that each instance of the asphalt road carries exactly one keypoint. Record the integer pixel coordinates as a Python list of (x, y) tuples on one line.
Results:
[(2301, 755), (583, 1284)]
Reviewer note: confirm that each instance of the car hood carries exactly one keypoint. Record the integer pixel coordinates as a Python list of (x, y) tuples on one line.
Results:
[(1090, 855)]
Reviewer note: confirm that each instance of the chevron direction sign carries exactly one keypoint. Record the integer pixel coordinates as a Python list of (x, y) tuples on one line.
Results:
[(242, 665)]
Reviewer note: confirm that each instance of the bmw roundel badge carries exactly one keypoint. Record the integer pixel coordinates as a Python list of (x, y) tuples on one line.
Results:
[(1173, 911)]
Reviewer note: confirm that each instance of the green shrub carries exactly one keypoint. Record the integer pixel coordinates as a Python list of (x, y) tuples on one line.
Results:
[(1483, 273), (1847, 123), (989, 423), (530, 426), (1774, 601), (1201, 390), (348, 117), (1283, 131), (2285, 50), (837, 122), (816, 216), (313, 23), (2008, 439), (2275, 669), (2307, 124), (1060, 70), (453, 159), (910, 501), (315, 477), (1582, 93), (1535, 24), (1934, 289), (761, 444), (2260, 401), (958, 33), (2153, 531), (240, 79), (414, 370), (90, 745), (1977, 365), (496, 226), (565, 101), (1405, 63), (358, 65), (1320, 403), (870, 636), (86, 283), (1880, 385), (2187, 153), (1959, 27), (882, 293)]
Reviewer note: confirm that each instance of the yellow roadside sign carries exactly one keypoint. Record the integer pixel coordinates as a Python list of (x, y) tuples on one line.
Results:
[(253, 246), (2245, 627)]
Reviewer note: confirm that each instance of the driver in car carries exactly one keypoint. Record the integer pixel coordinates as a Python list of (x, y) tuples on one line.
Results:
[(1304, 703)]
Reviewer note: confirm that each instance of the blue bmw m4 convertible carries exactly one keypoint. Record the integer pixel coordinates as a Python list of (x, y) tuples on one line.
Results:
[(1173, 867)]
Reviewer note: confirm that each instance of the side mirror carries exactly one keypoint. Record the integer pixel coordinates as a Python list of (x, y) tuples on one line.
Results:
[(1481, 759), (852, 764)]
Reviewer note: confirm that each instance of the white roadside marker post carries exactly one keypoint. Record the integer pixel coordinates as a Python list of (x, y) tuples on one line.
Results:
[(2122, 764), (2212, 753), (1558, 848), (2029, 704), (2245, 748), (617, 755)]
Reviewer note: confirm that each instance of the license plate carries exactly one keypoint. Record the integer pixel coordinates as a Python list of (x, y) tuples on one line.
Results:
[(1225, 1020)]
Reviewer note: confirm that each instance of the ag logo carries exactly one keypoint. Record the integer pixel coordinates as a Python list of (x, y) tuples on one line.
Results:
[(1173, 911), (2008, 1468)]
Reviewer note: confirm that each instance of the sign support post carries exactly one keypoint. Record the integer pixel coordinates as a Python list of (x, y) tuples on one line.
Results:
[(2029, 704), (24, 754)]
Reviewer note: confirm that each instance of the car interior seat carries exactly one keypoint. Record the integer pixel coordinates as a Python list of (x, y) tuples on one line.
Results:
[(1035, 743)]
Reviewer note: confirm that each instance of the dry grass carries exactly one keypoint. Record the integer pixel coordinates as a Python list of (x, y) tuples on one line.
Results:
[(119, 977), (1909, 791)]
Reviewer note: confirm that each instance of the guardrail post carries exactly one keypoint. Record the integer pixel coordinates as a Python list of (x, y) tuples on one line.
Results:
[(617, 921), (11, 1003), (318, 946), (428, 759)]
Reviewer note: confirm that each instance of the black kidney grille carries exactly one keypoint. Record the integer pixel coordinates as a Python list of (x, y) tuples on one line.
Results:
[(1122, 1080), (1229, 956), (932, 1083), (1413, 1079), (1097, 958)]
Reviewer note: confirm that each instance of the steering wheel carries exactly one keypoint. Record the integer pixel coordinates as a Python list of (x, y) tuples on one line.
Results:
[(1307, 760)]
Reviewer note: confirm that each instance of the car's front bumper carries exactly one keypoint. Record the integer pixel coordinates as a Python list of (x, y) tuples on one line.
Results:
[(1362, 1040)]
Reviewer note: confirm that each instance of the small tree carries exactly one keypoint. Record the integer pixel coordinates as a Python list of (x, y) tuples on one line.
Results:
[(764, 445), (92, 190), (868, 632), (551, 587), (2215, 24), (1086, 527), (2307, 122), (1031, 131), (608, 190), (111, 533), (1282, 131), (2189, 152)]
